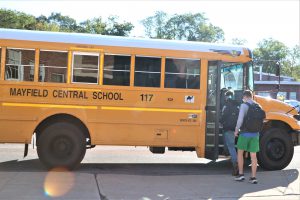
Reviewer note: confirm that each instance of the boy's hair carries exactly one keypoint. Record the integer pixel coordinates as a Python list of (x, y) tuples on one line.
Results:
[(247, 93), (229, 93)]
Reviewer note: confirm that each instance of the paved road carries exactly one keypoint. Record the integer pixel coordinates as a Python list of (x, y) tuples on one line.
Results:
[(135, 173)]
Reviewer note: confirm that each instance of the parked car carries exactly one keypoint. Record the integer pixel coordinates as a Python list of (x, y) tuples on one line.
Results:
[(294, 103)]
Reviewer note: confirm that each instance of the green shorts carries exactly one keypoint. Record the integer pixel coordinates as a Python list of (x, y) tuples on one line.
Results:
[(250, 144)]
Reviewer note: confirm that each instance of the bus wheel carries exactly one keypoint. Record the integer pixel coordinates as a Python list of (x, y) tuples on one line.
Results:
[(276, 149), (61, 145)]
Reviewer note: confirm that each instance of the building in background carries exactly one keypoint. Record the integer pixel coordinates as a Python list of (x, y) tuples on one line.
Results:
[(266, 84)]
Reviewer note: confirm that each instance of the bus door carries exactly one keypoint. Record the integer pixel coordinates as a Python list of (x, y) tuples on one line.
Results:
[(213, 110)]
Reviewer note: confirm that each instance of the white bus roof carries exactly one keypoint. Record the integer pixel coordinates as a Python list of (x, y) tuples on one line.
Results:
[(103, 40)]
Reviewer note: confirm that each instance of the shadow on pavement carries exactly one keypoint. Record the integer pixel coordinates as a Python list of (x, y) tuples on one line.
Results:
[(221, 167), (174, 181)]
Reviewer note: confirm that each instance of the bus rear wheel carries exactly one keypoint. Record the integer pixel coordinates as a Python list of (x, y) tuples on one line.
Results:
[(61, 145), (276, 149)]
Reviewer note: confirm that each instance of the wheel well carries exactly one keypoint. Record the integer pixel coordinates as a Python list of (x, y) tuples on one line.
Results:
[(62, 118), (276, 124)]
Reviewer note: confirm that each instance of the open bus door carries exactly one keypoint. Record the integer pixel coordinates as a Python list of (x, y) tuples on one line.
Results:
[(213, 110)]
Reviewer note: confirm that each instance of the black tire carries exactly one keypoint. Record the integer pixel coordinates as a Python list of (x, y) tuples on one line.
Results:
[(61, 145), (276, 149)]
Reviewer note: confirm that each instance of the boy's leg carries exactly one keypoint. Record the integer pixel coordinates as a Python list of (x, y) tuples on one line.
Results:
[(241, 161), (254, 148), (240, 176), (229, 140), (225, 149), (253, 164)]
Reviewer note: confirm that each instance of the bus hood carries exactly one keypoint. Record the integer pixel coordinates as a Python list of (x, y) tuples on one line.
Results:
[(274, 105), (278, 111)]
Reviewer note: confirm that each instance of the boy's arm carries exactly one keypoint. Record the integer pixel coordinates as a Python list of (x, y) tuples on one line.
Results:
[(242, 113)]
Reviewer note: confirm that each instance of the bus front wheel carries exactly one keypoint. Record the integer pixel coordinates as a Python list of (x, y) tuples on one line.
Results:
[(61, 145), (276, 149)]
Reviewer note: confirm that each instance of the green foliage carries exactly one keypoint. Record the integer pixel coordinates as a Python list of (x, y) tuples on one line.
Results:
[(16, 20), (58, 22), (115, 28), (271, 51), (191, 27), (154, 25), (65, 23), (268, 53), (109, 27), (291, 66), (95, 25)]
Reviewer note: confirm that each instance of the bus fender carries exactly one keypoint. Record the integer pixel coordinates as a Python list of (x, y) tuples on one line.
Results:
[(286, 118)]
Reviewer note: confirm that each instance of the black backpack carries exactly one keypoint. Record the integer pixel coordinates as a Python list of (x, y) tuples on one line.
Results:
[(230, 115), (254, 119)]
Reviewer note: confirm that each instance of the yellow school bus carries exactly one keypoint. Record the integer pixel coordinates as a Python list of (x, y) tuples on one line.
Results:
[(73, 91)]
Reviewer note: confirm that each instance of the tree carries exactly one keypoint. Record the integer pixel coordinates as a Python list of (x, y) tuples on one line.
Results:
[(291, 66), (115, 28), (95, 25), (268, 53), (16, 20), (154, 25), (65, 23), (191, 27), (58, 22), (42, 24), (109, 27)]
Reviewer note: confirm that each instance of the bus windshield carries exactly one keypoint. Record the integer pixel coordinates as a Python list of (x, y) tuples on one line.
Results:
[(232, 76), (250, 76)]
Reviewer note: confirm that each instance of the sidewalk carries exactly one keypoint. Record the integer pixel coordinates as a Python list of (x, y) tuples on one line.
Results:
[(283, 185), (272, 185)]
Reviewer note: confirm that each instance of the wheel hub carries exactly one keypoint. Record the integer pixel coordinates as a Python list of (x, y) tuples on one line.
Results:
[(275, 149), (61, 147)]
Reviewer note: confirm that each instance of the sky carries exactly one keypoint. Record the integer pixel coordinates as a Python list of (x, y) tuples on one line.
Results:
[(252, 20)]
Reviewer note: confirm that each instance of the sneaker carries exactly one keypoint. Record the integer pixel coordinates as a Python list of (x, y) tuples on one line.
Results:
[(240, 177), (253, 180)]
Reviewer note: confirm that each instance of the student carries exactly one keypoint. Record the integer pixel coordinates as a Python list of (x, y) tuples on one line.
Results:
[(229, 117), (248, 139)]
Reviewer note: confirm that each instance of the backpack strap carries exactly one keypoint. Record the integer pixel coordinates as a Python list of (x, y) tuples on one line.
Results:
[(248, 104)]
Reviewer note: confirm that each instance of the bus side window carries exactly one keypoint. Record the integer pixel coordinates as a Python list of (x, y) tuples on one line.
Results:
[(19, 65), (53, 66), (116, 70), (85, 67), (182, 73), (147, 71)]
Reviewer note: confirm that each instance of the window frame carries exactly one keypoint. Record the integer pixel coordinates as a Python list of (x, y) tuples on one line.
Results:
[(85, 54), (148, 72), (5, 63), (199, 60), (57, 67), (128, 71)]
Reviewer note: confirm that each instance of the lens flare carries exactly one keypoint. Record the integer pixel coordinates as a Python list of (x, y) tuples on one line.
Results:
[(58, 182)]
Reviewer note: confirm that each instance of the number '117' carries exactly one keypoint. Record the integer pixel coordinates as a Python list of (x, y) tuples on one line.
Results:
[(146, 97)]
